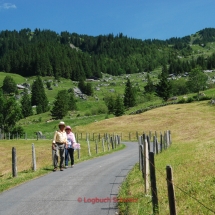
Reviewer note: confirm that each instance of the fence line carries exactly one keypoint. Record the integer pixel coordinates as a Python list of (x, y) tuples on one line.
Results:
[(147, 150), (32, 160), (166, 141), (185, 192), (130, 136)]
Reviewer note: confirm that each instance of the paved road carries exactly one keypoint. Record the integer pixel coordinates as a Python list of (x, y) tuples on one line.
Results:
[(58, 192)]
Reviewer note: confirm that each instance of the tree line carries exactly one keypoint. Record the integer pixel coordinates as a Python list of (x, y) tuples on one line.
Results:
[(181, 66), (75, 56)]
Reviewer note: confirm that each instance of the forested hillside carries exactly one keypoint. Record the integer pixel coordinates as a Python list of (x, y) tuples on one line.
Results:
[(74, 56)]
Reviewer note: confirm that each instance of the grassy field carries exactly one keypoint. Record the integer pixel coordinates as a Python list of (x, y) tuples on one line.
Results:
[(43, 159)]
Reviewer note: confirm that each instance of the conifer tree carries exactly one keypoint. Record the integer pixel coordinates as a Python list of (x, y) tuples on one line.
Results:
[(110, 103), (163, 89), (38, 97), (39, 109), (81, 85), (119, 106), (26, 105), (149, 88), (129, 95), (88, 89), (9, 85), (71, 102), (60, 107)]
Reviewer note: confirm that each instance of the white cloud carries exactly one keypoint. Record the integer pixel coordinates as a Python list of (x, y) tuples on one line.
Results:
[(8, 6)]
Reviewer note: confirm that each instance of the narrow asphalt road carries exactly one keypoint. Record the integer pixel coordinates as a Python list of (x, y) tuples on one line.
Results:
[(74, 190)]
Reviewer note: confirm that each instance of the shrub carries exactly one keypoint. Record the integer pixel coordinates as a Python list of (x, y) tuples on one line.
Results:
[(203, 98), (87, 113), (195, 97), (94, 111), (102, 109), (18, 130), (190, 99), (182, 101)]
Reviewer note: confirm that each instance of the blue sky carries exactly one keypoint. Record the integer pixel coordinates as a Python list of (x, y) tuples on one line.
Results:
[(142, 19)]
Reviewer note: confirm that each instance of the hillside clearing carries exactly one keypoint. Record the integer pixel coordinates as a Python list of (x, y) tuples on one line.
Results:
[(187, 122)]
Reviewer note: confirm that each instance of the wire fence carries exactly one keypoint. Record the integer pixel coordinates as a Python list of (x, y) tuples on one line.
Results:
[(147, 150), (43, 154), (92, 136)]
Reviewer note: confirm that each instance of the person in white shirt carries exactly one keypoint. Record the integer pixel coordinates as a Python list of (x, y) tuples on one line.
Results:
[(59, 143), (70, 149)]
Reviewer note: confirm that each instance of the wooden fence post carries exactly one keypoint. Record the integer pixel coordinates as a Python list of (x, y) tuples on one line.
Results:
[(96, 146), (111, 140), (34, 165), (148, 141), (164, 140), (171, 192), (78, 154), (154, 144), (142, 160), (103, 144), (146, 166), (129, 136), (150, 135), (170, 138), (88, 144), (161, 142), (167, 138), (153, 184), (53, 154), (14, 162), (108, 144), (139, 148), (115, 141), (119, 140)]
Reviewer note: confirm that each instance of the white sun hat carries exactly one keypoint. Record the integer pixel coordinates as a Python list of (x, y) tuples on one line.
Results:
[(61, 123)]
